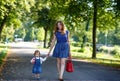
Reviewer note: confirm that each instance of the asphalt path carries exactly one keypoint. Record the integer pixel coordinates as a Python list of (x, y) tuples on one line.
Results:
[(17, 67)]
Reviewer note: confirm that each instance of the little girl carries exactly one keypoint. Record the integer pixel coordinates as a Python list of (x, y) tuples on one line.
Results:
[(37, 64)]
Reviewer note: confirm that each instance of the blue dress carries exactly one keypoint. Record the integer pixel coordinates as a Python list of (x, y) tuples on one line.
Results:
[(61, 49), (37, 67)]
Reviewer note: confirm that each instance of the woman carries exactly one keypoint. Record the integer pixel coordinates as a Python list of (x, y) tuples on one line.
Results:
[(62, 48)]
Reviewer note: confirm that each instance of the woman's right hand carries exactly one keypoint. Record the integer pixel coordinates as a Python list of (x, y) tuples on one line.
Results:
[(48, 54), (69, 57)]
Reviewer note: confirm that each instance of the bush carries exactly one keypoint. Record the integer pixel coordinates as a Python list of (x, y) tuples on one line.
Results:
[(81, 50), (103, 49), (117, 55), (116, 52), (2, 55), (113, 52), (76, 44)]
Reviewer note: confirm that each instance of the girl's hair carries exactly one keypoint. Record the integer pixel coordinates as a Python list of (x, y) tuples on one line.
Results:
[(36, 51), (56, 27)]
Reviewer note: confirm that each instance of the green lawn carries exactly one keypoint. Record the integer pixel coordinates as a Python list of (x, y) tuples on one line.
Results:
[(3, 52), (102, 58)]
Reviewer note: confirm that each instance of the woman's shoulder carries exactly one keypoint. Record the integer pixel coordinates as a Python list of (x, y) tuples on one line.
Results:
[(54, 33), (67, 31)]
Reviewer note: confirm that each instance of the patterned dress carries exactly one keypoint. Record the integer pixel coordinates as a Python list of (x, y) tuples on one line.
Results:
[(61, 49)]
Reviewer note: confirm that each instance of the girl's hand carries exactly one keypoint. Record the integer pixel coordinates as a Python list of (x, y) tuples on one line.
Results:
[(33, 61)]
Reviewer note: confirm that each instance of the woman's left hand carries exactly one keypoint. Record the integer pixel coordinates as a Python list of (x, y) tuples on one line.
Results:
[(69, 56)]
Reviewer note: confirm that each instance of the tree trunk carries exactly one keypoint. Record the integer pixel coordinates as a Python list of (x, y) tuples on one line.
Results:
[(118, 4), (2, 25), (45, 38), (116, 41), (85, 37), (94, 29), (51, 36)]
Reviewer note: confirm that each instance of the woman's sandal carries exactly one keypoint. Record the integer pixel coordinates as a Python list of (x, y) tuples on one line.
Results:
[(60, 79)]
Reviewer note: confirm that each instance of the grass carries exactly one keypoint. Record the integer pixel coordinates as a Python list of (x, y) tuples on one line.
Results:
[(102, 58), (101, 61), (2, 55), (3, 52)]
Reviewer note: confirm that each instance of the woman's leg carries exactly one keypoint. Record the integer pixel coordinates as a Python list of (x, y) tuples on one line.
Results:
[(59, 65), (62, 67)]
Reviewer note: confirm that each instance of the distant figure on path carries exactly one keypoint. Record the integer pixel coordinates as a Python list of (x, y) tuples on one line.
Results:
[(62, 48), (37, 64)]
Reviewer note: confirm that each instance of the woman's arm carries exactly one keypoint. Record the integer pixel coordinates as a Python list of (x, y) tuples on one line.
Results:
[(69, 44), (52, 44)]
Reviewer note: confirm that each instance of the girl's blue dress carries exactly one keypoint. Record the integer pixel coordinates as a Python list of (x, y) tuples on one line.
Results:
[(37, 67), (61, 49)]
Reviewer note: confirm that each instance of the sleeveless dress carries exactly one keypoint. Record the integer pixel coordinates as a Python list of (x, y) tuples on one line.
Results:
[(61, 49), (37, 67)]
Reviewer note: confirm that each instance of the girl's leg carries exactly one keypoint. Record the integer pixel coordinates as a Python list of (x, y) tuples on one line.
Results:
[(59, 65), (37, 75), (62, 67)]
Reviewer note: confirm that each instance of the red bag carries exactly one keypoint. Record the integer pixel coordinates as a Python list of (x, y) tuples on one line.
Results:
[(69, 66)]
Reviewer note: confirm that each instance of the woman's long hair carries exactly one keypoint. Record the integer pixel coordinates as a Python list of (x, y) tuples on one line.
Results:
[(56, 27)]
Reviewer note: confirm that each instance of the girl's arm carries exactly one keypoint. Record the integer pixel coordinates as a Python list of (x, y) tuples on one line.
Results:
[(52, 44), (43, 59), (32, 60)]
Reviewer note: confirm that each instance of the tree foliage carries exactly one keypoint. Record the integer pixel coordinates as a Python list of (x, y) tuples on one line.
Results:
[(13, 11), (88, 20)]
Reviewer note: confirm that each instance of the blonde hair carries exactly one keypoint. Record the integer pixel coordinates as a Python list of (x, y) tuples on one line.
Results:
[(36, 51), (56, 27)]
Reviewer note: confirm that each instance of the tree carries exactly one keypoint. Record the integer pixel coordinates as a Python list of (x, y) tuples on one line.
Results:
[(116, 7), (27, 25), (32, 34), (7, 34), (12, 12), (39, 34), (116, 11), (44, 21), (41, 17), (20, 32), (95, 3)]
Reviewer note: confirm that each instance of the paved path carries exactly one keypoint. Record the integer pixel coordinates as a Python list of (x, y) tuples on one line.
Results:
[(18, 68)]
